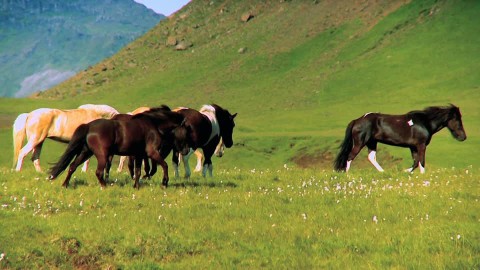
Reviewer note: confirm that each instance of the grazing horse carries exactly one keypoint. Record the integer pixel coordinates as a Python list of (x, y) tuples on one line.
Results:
[(151, 134), (206, 127), (413, 130), (54, 124)]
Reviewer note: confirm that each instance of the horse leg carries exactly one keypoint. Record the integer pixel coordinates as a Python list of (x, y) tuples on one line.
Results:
[(102, 161), (414, 152), (120, 164), (79, 159), (108, 166), (36, 156), (185, 159), (138, 168), (23, 152), (153, 171), (355, 150), (175, 161), (372, 155), (146, 165), (421, 157), (207, 164), (155, 155), (131, 166), (199, 156)]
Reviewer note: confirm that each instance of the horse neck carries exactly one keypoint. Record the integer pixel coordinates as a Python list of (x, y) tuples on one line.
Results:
[(438, 120)]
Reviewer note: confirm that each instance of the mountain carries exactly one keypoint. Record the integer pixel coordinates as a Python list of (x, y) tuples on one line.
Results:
[(44, 42), (297, 72)]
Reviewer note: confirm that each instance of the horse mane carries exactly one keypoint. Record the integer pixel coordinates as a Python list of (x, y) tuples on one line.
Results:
[(102, 109), (161, 114), (435, 112)]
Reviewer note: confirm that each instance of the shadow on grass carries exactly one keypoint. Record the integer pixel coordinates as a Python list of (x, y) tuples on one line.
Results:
[(201, 183)]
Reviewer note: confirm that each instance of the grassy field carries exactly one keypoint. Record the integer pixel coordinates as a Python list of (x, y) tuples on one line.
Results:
[(307, 69), (277, 218)]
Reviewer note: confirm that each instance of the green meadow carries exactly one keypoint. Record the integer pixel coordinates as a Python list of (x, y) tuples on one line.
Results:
[(305, 70)]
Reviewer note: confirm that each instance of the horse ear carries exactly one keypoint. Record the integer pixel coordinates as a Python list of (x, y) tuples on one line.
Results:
[(234, 115)]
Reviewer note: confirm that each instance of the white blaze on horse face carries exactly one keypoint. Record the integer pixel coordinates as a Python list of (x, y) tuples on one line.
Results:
[(410, 122), (373, 159)]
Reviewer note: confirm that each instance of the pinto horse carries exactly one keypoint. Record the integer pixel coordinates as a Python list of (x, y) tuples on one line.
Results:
[(413, 130), (206, 128), (54, 124), (151, 134)]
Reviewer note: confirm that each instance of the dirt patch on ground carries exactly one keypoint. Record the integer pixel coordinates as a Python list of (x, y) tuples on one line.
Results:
[(322, 159)]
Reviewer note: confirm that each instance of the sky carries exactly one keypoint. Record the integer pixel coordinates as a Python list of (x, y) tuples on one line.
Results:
[(165, 7)]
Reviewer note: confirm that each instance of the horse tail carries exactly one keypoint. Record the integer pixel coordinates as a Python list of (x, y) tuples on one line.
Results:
[(74, 148), (19, 132), (345, 148)]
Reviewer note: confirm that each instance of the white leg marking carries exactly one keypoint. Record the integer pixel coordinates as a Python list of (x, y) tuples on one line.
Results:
[(120, 164), (349, 163), (373, 159), (85, 165), (409, 170), (36, 163), (422, 169), (199, 156)]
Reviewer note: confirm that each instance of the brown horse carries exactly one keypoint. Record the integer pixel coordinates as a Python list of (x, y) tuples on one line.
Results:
[(151, 134), (54, 124), (150, 171)]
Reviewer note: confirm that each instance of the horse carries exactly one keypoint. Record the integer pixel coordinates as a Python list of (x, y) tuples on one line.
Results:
[(206, 127), (54, 124), (151, 134), (412, 130), (150, 171)]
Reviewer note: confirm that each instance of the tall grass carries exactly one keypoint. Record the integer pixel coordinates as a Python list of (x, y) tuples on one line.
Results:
[(274, 218)]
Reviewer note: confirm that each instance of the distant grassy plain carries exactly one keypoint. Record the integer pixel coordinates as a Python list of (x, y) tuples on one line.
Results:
[(275, 201)]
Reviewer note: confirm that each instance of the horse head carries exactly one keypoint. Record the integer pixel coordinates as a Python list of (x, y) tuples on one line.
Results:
[(226, 123), (455, 125)]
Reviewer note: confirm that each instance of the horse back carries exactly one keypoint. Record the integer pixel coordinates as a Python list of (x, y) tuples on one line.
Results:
[(200, 126)]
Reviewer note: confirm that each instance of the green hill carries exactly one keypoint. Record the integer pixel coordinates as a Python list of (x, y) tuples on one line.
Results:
[(296, 72), (44, 42)]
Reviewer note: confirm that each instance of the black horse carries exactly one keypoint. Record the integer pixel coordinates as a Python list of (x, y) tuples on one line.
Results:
[(151, 134), (413, 130), (206, 127)]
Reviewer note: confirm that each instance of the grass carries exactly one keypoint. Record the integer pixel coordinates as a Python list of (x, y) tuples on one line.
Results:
[(308, 69), (275, 218)]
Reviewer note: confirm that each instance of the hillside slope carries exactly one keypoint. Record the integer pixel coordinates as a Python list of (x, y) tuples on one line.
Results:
[(298, 71), (44, 42)]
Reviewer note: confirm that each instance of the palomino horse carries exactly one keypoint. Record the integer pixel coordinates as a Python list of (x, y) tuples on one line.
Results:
[(151, 134), (206, 127), (54, 124), (413, 130)]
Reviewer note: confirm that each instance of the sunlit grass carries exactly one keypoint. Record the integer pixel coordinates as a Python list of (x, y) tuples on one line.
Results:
[(287, 218)]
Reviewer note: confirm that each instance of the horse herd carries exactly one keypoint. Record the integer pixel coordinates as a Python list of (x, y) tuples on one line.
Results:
[(152, 133)]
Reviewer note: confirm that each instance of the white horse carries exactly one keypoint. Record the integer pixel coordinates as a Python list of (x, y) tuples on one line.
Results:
[(55, 124)]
